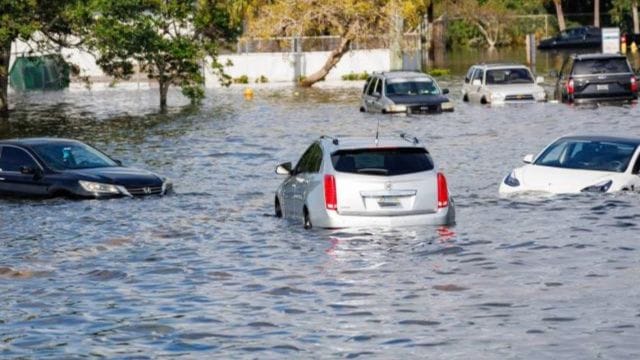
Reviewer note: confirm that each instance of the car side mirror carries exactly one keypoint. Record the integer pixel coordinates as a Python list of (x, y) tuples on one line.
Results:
[(27, 170), (554, 74), (528, 159), (445, 91), (284, 169), (539, 80), (476, 82)]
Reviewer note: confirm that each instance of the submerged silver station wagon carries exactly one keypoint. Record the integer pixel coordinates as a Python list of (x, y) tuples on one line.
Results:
[(364, 182)]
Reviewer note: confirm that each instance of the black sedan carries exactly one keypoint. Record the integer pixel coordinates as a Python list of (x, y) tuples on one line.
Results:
[(573, 38), (62, 167)]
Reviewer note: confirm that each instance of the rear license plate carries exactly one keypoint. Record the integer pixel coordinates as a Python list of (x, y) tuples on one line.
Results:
[(386, 202), (601, 87)]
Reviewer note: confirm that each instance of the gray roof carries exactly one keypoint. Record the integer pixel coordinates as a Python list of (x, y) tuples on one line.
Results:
[(36, 141), (349, 142), (603, 138), (596, 56)]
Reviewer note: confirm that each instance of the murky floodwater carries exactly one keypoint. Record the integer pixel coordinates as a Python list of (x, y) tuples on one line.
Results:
[(209, 273)]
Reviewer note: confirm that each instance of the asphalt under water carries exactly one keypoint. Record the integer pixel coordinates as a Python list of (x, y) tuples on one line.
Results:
[(208, 272)]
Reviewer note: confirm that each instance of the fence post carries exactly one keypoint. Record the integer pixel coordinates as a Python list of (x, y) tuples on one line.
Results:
[(531, 51)]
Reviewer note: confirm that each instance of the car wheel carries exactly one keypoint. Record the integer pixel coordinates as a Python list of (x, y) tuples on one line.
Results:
[(362, 109), (306, 220), (465, 98), (483, 101), (278, 209)]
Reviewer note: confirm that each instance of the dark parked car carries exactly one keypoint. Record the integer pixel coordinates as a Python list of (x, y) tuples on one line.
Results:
[(63, 167), (579, 37), (596, 78)]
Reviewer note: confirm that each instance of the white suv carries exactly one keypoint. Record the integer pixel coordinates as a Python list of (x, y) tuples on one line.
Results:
[(364, 182), (501, 83)]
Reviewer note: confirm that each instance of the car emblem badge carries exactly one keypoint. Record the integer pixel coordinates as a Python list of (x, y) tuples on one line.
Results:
[(147, 190), (387, 186), (602, 77)]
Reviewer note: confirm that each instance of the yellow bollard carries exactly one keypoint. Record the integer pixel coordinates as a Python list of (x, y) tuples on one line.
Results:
[(623, 48), (634, 47), (248, 94)]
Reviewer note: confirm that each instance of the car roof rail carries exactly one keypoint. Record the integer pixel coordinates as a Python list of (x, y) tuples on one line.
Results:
[(412, 139), (334, 140)]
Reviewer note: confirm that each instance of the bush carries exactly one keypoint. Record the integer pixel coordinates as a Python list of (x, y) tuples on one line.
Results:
[(242, 79), (355, 76), (262, 80), (439, 72)]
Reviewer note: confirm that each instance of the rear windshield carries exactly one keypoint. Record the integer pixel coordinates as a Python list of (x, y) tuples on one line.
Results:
[(601, 66), (382, 161)]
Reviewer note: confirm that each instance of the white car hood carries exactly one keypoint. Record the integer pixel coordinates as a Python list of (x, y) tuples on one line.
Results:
[(515, 89), (559, 180)]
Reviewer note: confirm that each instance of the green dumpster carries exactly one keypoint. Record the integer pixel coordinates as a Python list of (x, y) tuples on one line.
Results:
[(48, 72)]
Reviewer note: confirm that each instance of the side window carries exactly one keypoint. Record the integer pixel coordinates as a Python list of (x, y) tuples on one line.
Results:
[(12, 159), (467, 78), (367, 83), (379, 86), (310, 160), (478, 75), (372, 85), (636, 167)]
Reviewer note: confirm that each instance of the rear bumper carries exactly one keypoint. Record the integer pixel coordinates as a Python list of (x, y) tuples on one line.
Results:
[(333, 219), (596, 99)]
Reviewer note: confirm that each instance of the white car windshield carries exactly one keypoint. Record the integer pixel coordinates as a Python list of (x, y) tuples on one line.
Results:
[(411, 87), (588, 155), (72, 155), (509, 76)]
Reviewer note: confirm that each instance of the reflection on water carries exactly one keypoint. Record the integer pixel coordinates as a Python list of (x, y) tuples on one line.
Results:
[(210, 272)]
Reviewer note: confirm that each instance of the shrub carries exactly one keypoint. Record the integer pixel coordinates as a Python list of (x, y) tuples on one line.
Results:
[(439, 72), (355, 76), (242, 79), (262, 79)]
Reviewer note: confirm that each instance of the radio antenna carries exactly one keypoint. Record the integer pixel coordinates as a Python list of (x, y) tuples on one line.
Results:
[(377, 131)]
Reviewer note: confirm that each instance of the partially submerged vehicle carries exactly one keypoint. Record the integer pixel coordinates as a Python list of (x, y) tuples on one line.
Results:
[(574, 164), (501, 84), (408, 92), (344, 182)]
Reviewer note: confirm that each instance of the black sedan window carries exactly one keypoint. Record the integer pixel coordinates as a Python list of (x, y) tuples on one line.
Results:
[(12, 159), (70, 156)]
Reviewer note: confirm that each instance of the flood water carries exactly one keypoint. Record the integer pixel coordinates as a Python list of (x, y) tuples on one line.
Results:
[(209, 272)]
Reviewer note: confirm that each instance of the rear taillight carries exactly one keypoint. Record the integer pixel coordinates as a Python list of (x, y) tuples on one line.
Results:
[(570, 87), (443, 192), (330, 196), (634, 84)]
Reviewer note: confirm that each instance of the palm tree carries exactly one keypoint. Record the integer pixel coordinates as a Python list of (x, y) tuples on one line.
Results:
[(596, 13), (560, 14)]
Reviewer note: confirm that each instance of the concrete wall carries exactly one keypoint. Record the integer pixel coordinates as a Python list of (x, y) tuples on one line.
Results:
[(276, 67)]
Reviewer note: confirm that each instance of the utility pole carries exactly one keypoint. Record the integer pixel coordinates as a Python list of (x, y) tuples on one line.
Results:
[(596, 13)]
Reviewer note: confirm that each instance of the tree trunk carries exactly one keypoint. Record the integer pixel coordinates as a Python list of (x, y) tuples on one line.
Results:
[(164, 88), (560, 15), (634, 10), (5, 58), (334, 58), (596, 13)]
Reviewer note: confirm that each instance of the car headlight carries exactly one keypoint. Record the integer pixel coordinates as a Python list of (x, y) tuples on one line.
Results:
[(397, 108), (166, 186), (99, 188), (511, 180), (602, 187), (446, 106)]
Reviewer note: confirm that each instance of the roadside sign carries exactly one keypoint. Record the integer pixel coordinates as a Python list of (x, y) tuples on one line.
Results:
[(610, 40)]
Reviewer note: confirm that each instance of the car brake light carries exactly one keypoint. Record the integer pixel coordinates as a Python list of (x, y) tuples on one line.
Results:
[(443, 192), (634, 83), (570, 87), (330, 196)]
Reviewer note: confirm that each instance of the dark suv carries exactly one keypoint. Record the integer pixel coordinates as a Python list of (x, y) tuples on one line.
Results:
[(596, 78)]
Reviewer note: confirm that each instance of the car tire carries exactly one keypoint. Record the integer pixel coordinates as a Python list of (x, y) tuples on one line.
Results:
[(306, 220), (465, 98), (483, 101), (362, 109), (278, 208)]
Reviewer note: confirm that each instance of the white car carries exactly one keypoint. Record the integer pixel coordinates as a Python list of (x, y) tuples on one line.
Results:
[(502, 83), (574, 164), (364, 182)]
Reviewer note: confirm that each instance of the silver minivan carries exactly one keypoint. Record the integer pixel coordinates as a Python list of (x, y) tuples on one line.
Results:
[(404, 92), (364, 182)]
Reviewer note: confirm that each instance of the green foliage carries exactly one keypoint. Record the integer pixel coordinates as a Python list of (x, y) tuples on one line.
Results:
[(262, 80), (355, 76), (242, 79), (439, 72), (169, 40)]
